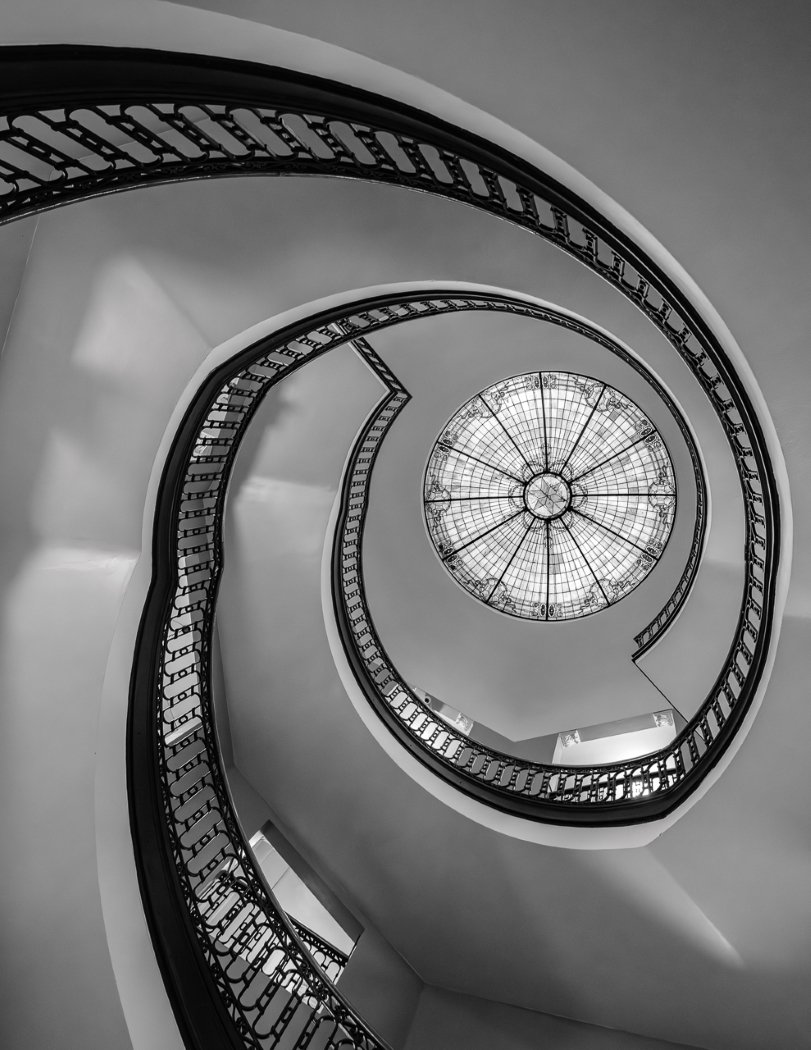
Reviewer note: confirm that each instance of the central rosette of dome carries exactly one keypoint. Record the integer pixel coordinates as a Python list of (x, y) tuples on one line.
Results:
[(547, 496)]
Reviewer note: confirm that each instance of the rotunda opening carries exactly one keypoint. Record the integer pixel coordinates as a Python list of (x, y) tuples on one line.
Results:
[(549, 496)]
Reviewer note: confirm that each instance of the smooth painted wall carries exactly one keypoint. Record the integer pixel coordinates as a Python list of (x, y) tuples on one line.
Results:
[(460, 1022), (59, 607), (382, 987)]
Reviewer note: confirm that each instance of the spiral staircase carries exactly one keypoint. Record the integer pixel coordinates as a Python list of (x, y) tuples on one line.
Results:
[(232, 652)]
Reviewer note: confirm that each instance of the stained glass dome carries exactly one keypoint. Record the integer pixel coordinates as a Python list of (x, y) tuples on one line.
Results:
[(549, 496)]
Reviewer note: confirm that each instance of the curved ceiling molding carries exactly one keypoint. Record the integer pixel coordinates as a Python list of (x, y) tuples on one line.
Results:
[(79, 122)]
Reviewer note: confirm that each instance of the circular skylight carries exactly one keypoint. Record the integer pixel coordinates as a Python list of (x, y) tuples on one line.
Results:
[(549, 496)]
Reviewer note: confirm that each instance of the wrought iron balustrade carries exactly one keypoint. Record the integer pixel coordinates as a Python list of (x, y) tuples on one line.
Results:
[(540, 790), (175, 750), (331, 959), (82, 146), (79, 122)]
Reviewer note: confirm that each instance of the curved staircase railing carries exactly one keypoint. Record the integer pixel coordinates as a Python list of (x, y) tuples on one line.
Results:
[(620, 791), (331, 959), (102, 120), (184, 827), (77, 122)]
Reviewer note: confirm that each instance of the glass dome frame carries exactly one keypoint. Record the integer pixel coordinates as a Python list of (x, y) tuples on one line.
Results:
[(522, 445)]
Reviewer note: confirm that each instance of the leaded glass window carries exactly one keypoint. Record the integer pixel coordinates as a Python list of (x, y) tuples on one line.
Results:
[(549, 496)]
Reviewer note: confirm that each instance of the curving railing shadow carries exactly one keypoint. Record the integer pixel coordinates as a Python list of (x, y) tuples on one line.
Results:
[(78, 122)]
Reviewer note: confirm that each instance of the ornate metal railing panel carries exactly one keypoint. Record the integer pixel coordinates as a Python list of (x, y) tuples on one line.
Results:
[(79, 122), (331, 959), (283, 999)]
